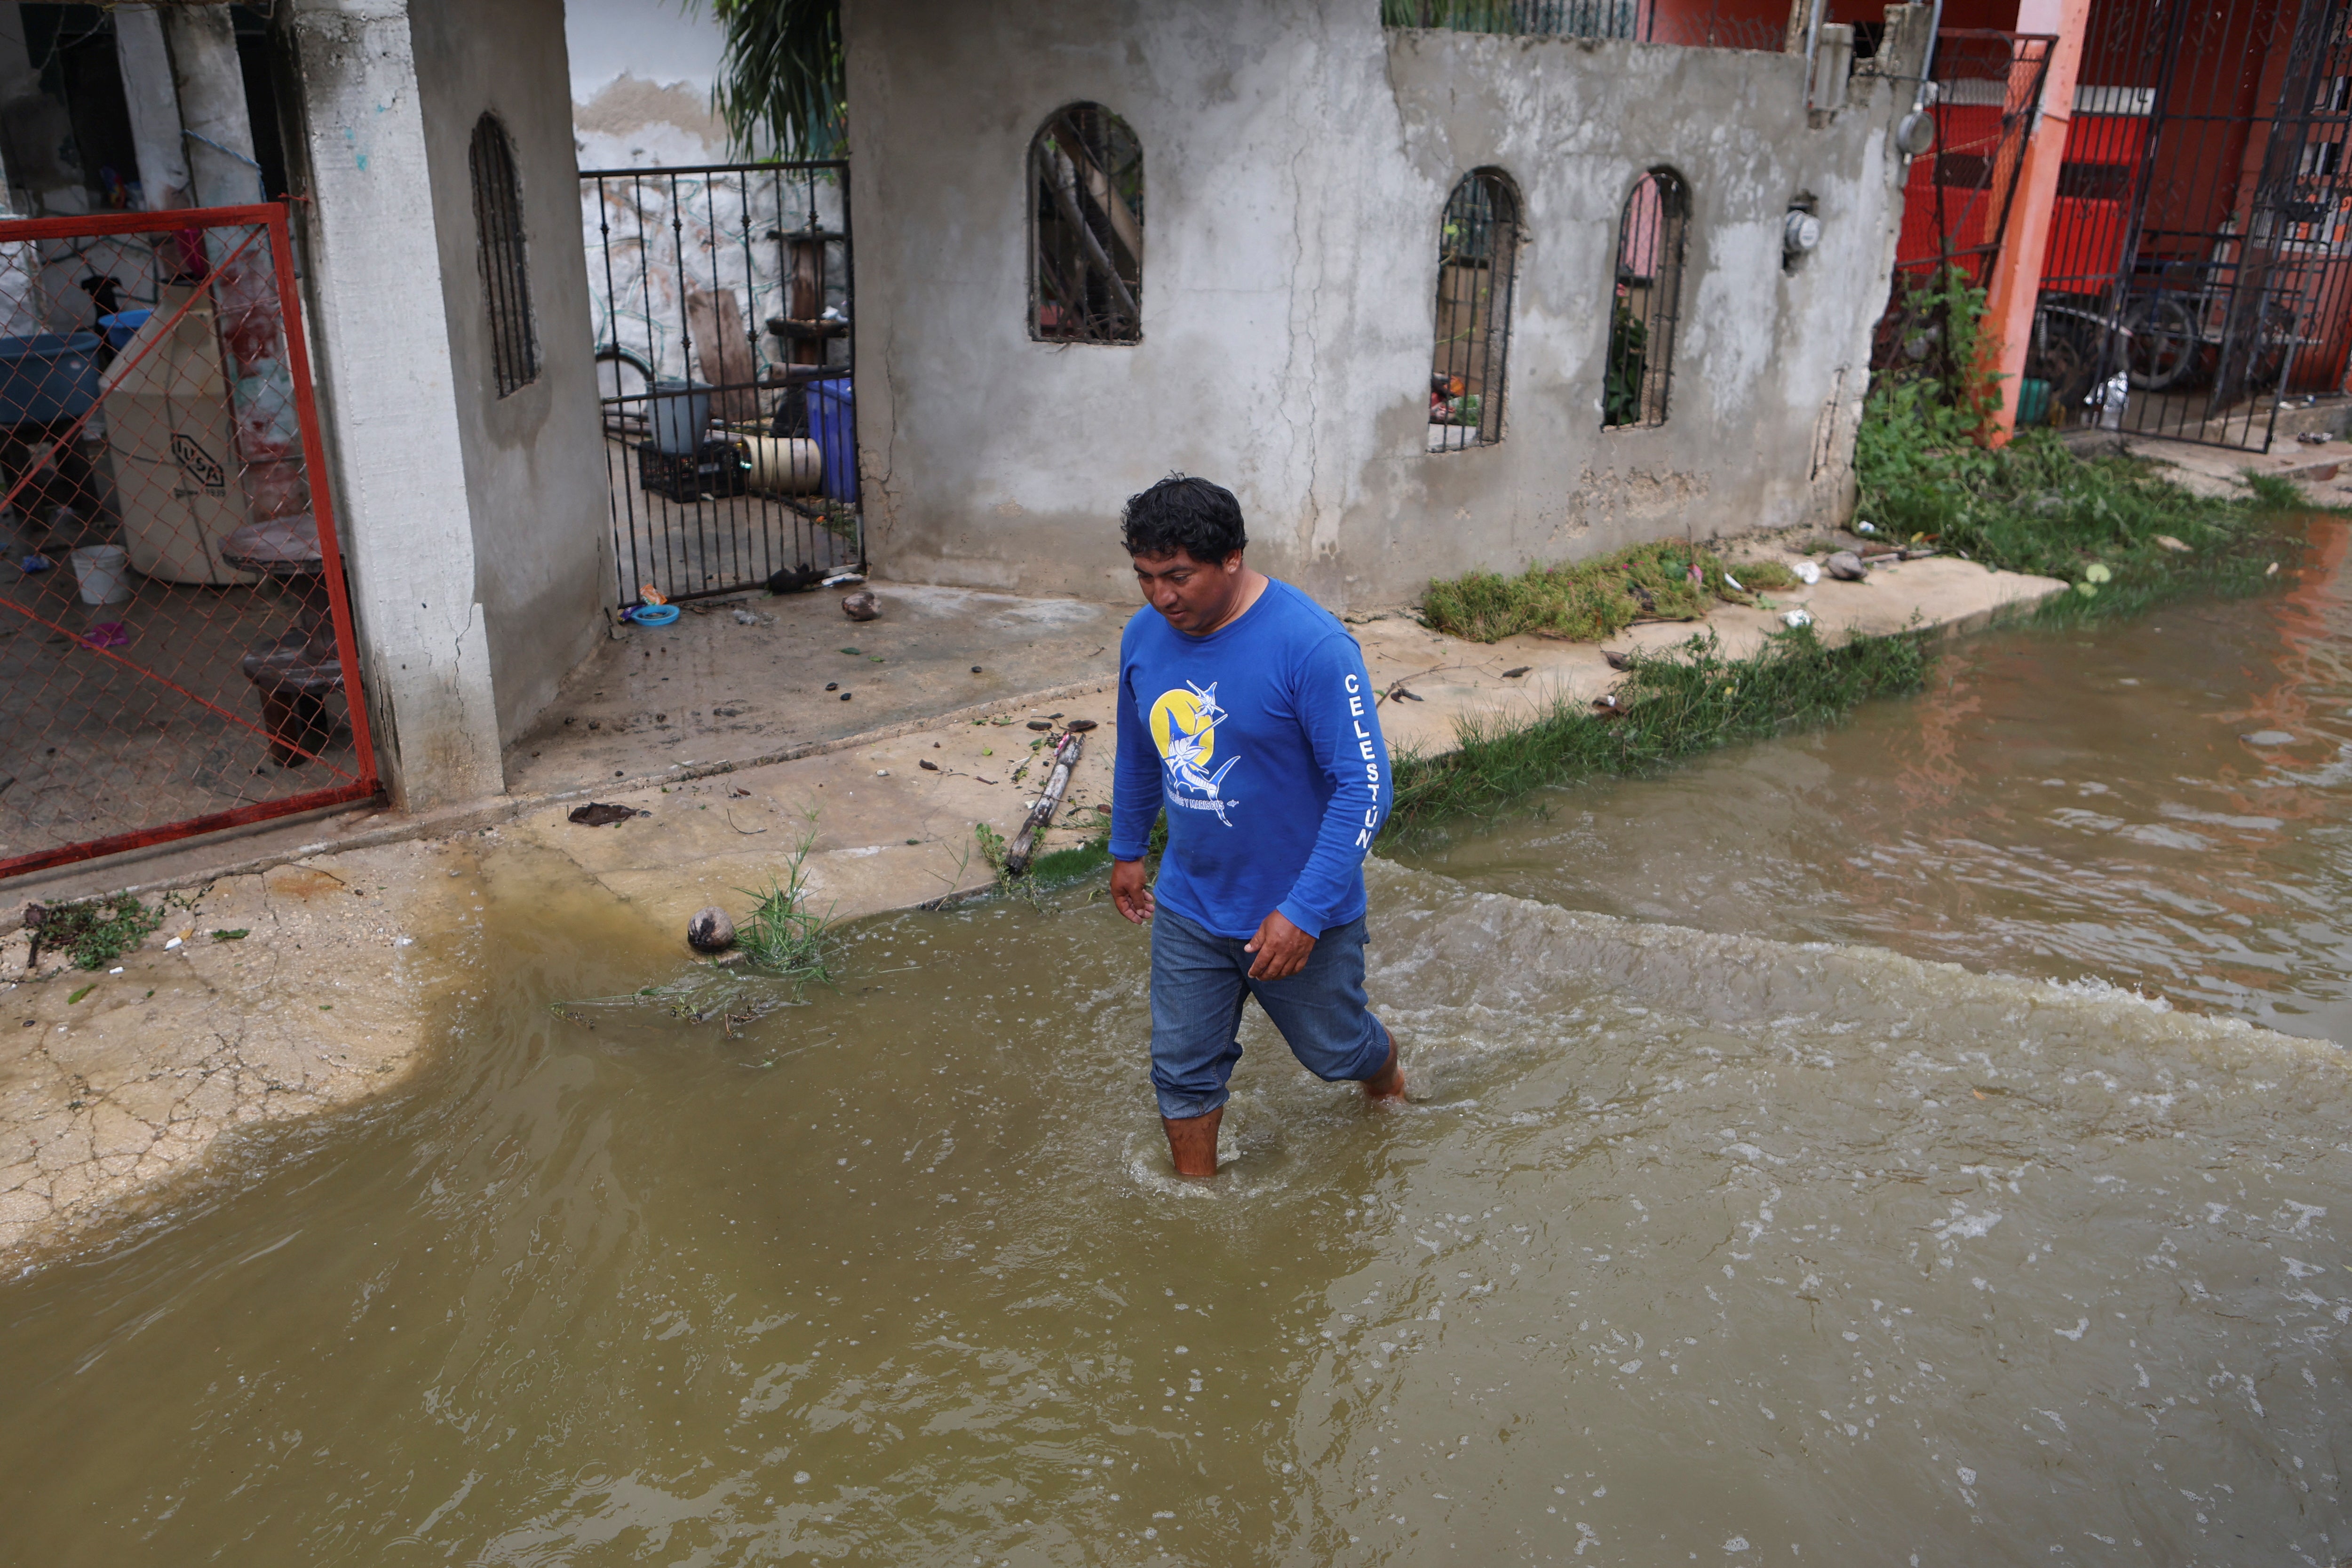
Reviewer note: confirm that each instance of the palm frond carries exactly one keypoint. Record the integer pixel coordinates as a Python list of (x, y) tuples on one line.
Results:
[(780, 84)]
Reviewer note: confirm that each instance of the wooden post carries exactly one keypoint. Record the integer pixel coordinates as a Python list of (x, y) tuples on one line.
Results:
[(1041, 815)]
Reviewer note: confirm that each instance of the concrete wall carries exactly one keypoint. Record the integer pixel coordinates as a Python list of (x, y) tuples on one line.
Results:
[(476, 528), (534, 459), (641, 77), (1297, 162), (389, 406)]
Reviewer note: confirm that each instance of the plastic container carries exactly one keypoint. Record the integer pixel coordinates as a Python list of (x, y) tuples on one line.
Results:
[(782, 465), (832, 424), (654, 614), (122, 327), (48, 377), (2032, 401), (103, 573), (681, 413)]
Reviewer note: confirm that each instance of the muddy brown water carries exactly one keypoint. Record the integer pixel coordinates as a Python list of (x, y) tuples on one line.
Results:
[(2163, 804), (1692, 1245)]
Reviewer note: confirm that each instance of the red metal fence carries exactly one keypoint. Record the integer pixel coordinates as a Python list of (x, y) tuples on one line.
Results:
[(177, 653)]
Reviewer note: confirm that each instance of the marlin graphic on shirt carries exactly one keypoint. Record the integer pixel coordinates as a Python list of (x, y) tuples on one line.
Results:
[(1184, 724)]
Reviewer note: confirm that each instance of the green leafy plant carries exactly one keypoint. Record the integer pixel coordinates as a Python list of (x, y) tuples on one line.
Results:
[(993, 847), (781, 78), (2114, 528), (96, 931)]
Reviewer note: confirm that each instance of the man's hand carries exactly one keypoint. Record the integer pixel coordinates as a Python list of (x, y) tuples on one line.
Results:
[(1128, 893), (1281, 947)]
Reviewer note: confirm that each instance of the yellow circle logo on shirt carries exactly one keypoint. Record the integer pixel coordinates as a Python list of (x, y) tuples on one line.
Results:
[(1179, 717)]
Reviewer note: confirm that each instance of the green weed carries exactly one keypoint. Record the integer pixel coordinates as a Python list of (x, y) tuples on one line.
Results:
[(2098, 524), (781, 934), (1585, 601), (1675, 703), (993, 847), (96, 931)]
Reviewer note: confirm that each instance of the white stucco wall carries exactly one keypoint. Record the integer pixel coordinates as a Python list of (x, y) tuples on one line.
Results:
[(476, 527), (535, 460), (641, 77), (1297, 162), (387, 392)]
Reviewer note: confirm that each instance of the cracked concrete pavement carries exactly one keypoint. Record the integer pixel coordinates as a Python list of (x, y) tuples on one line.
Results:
[(114, 1082)]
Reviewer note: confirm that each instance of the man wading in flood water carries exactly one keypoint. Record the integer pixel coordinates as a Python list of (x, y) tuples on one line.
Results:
[(1245, 711)]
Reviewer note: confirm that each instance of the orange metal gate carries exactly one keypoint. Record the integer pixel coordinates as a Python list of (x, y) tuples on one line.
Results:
[(176, 652)]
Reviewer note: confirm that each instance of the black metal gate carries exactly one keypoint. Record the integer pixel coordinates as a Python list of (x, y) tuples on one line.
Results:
[(2198, 240), (724, 313)]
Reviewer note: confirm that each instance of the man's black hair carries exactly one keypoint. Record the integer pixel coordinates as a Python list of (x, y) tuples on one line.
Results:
[(1200, 519)]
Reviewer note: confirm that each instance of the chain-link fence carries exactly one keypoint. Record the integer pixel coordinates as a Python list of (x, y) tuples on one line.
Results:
[(175, 641)]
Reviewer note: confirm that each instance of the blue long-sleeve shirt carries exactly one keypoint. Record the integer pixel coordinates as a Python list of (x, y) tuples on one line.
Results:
[(1263, 741)]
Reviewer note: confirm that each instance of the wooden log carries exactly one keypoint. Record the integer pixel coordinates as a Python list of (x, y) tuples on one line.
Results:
[(1041, 815)]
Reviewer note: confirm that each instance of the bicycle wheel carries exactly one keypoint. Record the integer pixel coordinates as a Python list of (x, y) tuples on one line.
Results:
[(2163, 341)]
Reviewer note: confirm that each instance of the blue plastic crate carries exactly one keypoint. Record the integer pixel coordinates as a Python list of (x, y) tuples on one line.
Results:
[(47, 378)]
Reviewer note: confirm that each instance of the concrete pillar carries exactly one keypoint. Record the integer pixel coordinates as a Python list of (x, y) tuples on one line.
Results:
[(388, 392), (2017, 271), (154, 104), (212, 106)]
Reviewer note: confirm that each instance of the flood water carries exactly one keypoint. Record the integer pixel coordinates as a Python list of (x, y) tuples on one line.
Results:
[(1691, 1246), (2164, 805)]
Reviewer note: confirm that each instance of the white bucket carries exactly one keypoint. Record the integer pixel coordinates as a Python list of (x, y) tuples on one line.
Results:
[(681, 411), (103, 571)]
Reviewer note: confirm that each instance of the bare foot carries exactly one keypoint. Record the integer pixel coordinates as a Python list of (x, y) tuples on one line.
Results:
[(1192, 1142), (1389, 1082)]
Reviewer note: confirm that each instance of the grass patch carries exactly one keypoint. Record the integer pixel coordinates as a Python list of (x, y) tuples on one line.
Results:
[(781, 934), (2122, 537), (95, 931), (1585, 601), (788, 944), (1677, 703)]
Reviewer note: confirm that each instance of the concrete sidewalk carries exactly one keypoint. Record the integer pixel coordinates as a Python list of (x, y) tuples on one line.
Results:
[(728, 710), (2224, 473)]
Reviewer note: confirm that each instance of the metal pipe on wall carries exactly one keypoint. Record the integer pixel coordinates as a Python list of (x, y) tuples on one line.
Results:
[(1814, 44)]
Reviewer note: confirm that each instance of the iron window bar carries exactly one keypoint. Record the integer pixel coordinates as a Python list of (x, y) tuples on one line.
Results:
[(1085, 226), (505, 269)]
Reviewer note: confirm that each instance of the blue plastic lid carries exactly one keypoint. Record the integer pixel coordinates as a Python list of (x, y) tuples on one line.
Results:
[(654, 614)]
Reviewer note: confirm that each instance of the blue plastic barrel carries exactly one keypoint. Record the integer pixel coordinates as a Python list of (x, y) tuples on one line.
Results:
[(833, 426), (122, 326), (48, 377)]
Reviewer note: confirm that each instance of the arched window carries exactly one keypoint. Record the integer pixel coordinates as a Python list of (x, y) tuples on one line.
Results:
[(1477, 262), (1648, 300), (506, 271), (1085, 228)]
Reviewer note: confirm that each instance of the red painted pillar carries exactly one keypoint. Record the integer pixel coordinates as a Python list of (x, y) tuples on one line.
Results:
[(2016, 284)]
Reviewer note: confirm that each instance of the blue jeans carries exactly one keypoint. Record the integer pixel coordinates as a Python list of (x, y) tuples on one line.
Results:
[(1198, 982)]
